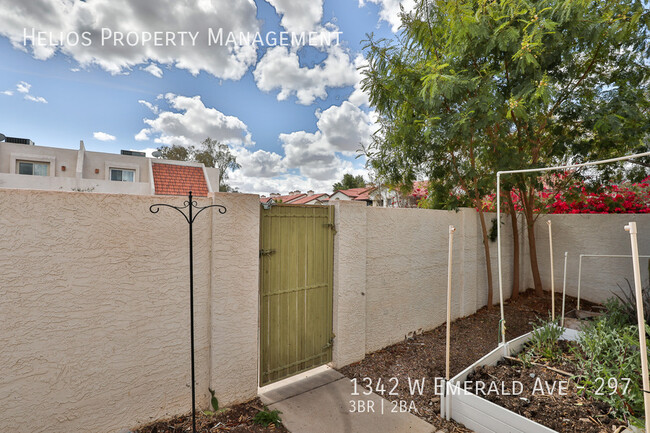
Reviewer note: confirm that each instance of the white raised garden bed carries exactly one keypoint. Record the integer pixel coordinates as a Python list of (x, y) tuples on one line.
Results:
[(481, 415)]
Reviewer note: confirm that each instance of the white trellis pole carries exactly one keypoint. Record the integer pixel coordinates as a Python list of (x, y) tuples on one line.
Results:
[(550, 244), (566, 255), (533, 170), (444, 412), (452, 229), (631, 228)]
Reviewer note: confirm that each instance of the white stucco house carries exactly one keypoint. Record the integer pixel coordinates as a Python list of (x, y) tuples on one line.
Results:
[(24, 165)]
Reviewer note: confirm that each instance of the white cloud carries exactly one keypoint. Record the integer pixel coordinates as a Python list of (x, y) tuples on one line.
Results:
[(190, 122), (390, 9), (39, 99), (359, 97), (154, 108), (310, 161), (280, 69), (143, 135), (344, 128), (154, 70), (260, 163), (103, 136), (62, 18), (299, 16), (23, 87)]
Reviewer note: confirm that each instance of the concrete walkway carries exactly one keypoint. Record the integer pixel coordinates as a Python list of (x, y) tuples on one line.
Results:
[(321, 404)]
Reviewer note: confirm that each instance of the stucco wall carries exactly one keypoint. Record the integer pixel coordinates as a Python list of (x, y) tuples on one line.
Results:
[(94, 304), (390, 273), (406, 270), (589, 234), (405, 255), (94, 295)]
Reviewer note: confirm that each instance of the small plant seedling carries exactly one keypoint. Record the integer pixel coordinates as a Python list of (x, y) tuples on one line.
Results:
[(267, 417), (214, 403), (544, 342)]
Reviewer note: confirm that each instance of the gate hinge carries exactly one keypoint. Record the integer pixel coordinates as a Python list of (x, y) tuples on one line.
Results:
[(266, 252), (332, 226)]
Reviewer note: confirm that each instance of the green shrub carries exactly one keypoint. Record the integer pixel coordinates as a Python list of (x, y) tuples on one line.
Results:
[(609, 355), (267, 417), (627, 302)]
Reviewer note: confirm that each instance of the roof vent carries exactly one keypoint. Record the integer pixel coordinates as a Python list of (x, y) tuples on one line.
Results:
[(16, 140), (132, 153)]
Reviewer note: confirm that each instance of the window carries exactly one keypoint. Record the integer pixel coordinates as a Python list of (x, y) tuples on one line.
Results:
[(122, 175), (33, 168)]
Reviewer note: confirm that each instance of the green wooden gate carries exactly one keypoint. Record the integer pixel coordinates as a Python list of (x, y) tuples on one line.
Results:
[(296, 273)]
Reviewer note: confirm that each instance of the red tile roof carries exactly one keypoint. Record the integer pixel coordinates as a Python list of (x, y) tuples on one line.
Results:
[(176, 179), (366, 194), (352, 192), (288, 198), (358, 193), (309, 198)]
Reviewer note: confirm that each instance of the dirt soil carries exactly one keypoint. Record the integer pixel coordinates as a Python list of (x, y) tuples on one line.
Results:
[(534, 392), (235, 419), (423, 356)]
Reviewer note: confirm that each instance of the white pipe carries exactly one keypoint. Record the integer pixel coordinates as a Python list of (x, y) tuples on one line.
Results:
[(579, 273), (631, 227), (444, 400), (596, 255), (531, 170), (503, 316), (566, 255), (451, 246), (550, 244)]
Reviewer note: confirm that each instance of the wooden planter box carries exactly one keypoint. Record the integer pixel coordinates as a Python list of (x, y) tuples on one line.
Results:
[(481, 415)]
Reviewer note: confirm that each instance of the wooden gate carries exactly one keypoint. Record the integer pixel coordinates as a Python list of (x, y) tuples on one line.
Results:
[(296, 273)]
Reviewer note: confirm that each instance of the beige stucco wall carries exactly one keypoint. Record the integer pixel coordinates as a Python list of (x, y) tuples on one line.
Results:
[(234, 298), (349, 291), (589, 234), (405, 278), (10, 152), (94, 304), (94, 296), (398, 259)]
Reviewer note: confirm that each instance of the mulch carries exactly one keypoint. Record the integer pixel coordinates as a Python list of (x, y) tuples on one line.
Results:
[(423, 356), (543, 395), (235, 419)]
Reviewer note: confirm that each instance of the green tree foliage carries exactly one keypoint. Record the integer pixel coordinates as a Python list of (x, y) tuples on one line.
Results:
[(471, 87), (176, 152), (349, 181), (210, 153)]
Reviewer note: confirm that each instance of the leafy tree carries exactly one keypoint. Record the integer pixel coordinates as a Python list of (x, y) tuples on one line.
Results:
[(211, 153), (176, 152), (473, 86), (215, 154), (349, 181)]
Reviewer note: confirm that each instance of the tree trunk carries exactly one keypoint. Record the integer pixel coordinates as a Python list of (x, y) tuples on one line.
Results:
[(532, 249), (488, 262), (515, 243)]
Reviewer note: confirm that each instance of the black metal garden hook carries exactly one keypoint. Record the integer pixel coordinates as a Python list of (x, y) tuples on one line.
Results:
[(190, 216)]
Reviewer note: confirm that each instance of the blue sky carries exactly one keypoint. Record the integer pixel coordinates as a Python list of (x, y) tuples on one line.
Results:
[(293, 115)]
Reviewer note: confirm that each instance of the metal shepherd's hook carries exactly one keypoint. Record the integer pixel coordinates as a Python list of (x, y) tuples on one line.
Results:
[(190, 205)]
